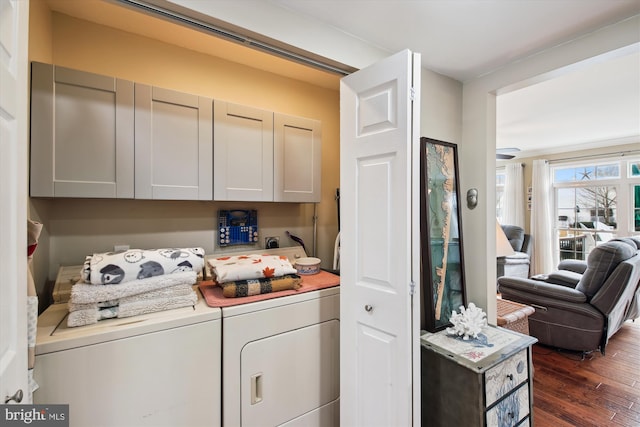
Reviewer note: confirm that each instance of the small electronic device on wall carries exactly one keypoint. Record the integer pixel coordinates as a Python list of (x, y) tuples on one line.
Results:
[(237, 227)]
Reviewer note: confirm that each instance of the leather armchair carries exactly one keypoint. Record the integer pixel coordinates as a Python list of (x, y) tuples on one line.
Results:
[(516, 265), (582, 315)]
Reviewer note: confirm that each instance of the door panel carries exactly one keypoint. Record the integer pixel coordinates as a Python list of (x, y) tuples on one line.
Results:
[(13, 198), (288, 375), (379, 328)]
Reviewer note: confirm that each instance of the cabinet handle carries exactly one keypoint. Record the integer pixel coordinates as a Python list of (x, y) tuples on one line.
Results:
[(511, 415), (510, 376), (17, 397), (256, 388), (368, 308)]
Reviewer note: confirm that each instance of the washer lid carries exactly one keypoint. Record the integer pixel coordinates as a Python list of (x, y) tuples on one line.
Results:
[(54, 334)]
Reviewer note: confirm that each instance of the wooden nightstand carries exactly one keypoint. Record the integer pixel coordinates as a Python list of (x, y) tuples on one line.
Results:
[(484, 382)]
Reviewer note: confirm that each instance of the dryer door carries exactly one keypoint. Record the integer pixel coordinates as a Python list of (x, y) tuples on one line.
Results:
[(291, 374)]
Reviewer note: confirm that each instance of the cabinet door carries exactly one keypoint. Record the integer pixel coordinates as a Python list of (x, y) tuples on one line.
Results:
[(242, 153), (82, 142), (174, 145), (297, 159)]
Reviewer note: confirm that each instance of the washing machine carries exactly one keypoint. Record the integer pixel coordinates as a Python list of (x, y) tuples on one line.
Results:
[(281, 359), (157, 369)]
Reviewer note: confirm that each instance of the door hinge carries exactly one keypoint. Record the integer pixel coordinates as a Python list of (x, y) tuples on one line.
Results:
[(412, 288), (412, 94)]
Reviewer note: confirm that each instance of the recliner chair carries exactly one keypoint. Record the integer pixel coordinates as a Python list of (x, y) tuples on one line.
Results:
[(516, 265), (582, 315)]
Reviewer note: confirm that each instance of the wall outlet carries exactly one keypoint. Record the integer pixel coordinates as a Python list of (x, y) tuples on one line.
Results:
[(120, 248), (271, 242)]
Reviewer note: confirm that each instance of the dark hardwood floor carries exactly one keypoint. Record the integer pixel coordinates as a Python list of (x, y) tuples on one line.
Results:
[(597, 391)]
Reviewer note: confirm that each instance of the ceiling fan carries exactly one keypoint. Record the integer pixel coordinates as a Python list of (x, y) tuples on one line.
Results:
[(503, 153)]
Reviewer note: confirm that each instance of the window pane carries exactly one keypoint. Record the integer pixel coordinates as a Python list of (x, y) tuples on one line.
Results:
[(608, 171), (634, 168), (597, 204), (586, 173), (564, 175)]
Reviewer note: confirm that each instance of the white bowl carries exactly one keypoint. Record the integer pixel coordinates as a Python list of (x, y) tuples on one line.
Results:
[(308, 265)]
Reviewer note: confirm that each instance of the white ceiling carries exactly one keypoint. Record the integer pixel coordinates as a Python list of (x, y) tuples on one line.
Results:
[(594, 106), (463, 39)]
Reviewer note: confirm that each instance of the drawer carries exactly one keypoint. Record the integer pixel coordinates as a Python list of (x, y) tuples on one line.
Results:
[(503, 378), (510, 410)]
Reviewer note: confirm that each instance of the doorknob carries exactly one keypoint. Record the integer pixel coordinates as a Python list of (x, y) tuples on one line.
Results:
[(368, 308), (17, 397)]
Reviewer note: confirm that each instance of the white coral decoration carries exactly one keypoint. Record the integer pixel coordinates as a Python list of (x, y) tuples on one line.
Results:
[(469, 323)]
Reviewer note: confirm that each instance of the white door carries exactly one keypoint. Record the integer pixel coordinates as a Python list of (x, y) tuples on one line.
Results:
[(379, 254), (13, 197)]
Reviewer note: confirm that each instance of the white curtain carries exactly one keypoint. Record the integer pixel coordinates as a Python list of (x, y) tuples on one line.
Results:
[(514, 195), (545, 242)]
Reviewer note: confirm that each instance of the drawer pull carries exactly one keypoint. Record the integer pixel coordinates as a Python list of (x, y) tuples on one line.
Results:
[(368, 308), (511, 415), (510, 376)]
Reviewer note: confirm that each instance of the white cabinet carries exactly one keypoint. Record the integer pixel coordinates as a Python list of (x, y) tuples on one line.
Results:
[(297, 159), (243, 153), (89, 138), (174, 145), (82, 141), (265, 156)]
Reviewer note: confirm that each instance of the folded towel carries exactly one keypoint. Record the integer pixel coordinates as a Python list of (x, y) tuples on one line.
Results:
[(131, 308), (169, 292), (244, 288), (119, 267), (83, 293), (244, 267)]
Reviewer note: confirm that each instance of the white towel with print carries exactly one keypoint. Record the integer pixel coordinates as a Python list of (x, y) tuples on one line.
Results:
[(112, 268), (246, 267)]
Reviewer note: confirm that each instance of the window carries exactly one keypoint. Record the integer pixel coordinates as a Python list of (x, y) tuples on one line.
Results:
[(595, 202)]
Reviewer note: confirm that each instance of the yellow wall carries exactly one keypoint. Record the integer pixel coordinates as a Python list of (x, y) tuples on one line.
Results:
[(74, 228)]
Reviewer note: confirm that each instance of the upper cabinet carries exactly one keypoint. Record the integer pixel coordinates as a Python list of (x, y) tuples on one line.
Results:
[(297, 159), (174, 145), (262, 156), (82, 142), (242, 153), (95, 136)]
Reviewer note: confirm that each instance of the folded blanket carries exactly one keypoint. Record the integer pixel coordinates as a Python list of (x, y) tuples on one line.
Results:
[(244, 288), (119, 267), (131, 308), (179, 290), (83, 293), (244, 267)]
